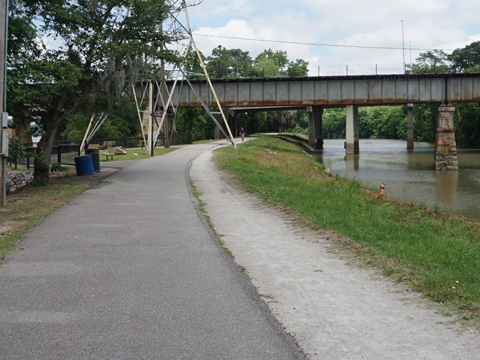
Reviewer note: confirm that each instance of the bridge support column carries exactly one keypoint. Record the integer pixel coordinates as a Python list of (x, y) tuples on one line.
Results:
[(233, 122), (410, 134), (352, 131), (315, 133), (445, 144)]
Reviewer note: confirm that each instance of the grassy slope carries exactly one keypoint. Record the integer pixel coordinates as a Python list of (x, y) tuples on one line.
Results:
[(437, 254)]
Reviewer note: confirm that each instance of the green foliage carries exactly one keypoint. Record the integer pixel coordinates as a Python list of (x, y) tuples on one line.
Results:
[(425, 122), (334, 123), (299, 123), (254, 122), (233, 63), (16, 149), (467, 123), (276, 64), (467, 58), (270, 63), (98, 43), (387, 120), (298, 67), (122, 120), (57, 167), (432, 61), (192, 64), (193, 124)]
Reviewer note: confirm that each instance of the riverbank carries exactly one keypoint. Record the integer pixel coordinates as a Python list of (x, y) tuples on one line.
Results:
[(431, 252), (409, 175)]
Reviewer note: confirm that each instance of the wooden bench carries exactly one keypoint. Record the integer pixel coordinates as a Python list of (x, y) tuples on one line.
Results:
[(107, 144), (107, 154), (93, 147)]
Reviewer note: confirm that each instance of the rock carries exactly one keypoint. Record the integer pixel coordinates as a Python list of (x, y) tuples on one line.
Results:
[(16, 180)]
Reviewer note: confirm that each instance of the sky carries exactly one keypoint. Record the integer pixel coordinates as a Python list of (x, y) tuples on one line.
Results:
[(337, 37)]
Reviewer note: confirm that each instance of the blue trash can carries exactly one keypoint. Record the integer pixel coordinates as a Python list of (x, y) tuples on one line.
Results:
[(84, 165)]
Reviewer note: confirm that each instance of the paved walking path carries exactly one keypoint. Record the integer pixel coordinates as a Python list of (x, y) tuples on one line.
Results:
[(129, 270)]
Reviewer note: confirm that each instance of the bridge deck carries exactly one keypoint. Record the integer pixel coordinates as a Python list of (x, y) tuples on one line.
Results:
[(332, 91)]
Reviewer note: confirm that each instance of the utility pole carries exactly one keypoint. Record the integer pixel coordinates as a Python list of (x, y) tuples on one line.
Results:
[(403, 50), (3, 102)]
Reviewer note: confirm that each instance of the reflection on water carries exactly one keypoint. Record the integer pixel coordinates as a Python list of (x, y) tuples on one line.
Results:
[(410, 175)]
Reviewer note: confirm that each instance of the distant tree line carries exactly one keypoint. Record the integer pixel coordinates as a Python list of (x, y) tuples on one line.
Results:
[(103, 47)]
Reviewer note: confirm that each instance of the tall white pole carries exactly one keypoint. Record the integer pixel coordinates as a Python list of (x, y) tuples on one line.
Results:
[(403, 49), (410, 55), (202, 64)]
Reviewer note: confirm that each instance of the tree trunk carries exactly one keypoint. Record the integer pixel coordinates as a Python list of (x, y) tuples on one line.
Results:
[(41, 174)]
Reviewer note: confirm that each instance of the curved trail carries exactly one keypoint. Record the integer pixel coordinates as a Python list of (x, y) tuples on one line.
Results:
[(128, 270), (333, 309)]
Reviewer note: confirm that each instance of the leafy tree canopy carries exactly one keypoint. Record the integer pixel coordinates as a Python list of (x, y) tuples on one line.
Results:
[(64, 54), (229, 63), (466, 59), (432, 61)]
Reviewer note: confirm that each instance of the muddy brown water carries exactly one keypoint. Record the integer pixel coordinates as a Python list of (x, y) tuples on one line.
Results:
[(410, 175)]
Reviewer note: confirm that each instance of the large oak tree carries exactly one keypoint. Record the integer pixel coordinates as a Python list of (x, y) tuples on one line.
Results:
[(65, 53)]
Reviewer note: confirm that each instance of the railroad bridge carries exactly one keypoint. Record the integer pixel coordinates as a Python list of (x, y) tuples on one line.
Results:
[(317, 93)]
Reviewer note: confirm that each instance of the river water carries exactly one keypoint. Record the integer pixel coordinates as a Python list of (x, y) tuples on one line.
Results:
[(410, 175)]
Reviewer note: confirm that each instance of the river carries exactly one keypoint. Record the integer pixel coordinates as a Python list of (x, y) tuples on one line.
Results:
[(410, 175)]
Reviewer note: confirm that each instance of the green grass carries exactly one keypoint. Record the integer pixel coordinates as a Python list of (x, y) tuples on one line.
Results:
[(434, 253)]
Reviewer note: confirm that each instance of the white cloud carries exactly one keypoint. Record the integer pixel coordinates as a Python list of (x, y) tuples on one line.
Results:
[(427, 24)]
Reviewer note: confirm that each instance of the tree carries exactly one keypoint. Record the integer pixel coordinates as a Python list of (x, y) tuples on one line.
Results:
[(387, 121), (334, 123), (467, 124), (466, 59), (425, 123), (233, 63), (435, 61), (270, 64), (93, 45), (122, 120), (298, 67)]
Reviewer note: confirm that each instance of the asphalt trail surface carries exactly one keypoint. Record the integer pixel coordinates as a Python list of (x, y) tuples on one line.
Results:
[(129, 270)]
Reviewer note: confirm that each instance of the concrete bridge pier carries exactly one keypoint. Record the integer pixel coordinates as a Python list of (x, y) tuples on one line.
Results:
[(352, 131), (315, 133), (410, 134), (445, 144)]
